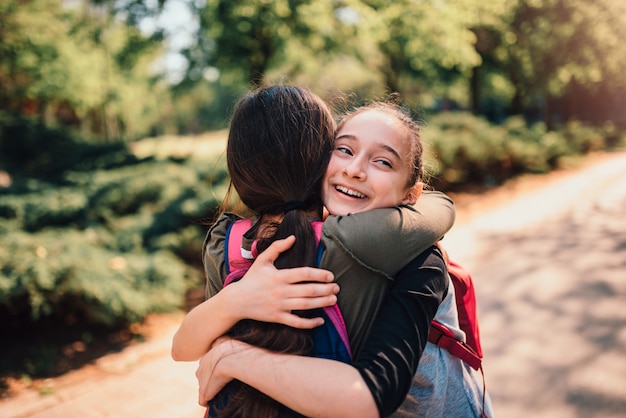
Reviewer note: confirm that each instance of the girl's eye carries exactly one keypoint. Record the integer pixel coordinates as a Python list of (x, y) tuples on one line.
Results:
[(344, 150), (384, 162)]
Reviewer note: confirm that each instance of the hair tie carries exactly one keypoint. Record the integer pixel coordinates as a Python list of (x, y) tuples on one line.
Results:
[(293, 205)]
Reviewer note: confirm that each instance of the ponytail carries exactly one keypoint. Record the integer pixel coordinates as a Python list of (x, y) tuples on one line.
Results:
[(279, 146)]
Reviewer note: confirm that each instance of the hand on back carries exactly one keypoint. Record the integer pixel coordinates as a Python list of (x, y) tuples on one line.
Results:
[(268, 294)]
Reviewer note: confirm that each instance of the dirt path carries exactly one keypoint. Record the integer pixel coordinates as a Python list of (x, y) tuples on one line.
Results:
[(529, 370), (550, 273)]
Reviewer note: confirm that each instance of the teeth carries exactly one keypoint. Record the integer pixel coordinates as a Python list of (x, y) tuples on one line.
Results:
[(350, 192)]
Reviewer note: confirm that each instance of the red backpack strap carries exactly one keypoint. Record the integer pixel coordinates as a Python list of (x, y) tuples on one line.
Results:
[(470, 353), (442, 337), (466, 305)]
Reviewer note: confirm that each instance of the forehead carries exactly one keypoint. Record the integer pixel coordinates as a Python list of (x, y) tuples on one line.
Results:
[(374, 116), (376, 125)]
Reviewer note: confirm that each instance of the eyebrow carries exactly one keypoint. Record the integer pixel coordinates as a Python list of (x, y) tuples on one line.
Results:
[(380, 144)]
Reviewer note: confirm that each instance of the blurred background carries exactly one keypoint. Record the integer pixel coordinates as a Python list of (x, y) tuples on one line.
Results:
[(113, 117)]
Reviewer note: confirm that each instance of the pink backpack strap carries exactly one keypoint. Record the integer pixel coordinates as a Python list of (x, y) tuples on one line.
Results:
[(335, 316), (442, 337), (317, 227), (333, 312), (237, 259), (465, 300)]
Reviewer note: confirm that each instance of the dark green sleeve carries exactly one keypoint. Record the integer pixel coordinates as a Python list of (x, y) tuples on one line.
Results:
[(213, 254), (386, 239)]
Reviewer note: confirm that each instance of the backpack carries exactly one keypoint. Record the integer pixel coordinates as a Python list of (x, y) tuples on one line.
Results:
[(331, 338), (470, 351), (465, 297)]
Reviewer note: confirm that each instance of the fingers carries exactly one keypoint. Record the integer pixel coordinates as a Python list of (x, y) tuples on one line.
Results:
[(306, 274), (210, 381), (314, 290), (292, 275), (203, 378), (296, 321), (301, 274), (307, 303), (276, 248)]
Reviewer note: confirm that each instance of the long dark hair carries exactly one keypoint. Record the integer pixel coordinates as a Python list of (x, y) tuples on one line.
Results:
[(280, 141)]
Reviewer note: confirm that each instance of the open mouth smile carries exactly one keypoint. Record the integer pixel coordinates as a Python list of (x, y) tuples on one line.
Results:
[(350, 192)]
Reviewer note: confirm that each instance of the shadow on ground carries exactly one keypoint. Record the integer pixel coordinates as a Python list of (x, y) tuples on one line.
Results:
[(552, 314)]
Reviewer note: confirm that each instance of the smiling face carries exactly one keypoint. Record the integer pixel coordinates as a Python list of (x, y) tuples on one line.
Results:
[(370, 166)]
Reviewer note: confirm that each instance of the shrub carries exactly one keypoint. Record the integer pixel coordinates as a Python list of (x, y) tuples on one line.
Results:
[(106, 246), (582, 138), (30, 149), (463, 149), (74, 278)]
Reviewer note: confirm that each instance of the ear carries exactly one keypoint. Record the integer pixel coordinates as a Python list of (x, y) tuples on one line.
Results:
[(413, 194)]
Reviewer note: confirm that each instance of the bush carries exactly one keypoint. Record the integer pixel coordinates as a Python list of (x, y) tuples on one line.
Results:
[(463, 149), (106, 246), (76, 279), (466, 149), (30, 149)]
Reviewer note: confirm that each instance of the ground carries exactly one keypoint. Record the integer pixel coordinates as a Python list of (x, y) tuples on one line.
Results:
[(75, 357)]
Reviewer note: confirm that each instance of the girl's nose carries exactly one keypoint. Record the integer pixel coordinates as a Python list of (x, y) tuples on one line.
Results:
[(354, 170)]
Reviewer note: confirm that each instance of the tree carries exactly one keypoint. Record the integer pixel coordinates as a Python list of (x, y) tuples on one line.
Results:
[(76, 65), (550, 47), (244, 39), (424, 42)]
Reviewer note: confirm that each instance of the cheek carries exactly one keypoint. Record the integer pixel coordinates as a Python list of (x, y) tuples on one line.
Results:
[(326, 183), (332, 168)]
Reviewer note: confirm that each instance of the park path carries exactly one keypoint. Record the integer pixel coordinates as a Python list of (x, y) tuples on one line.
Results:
[(550, 273), (140, 381)]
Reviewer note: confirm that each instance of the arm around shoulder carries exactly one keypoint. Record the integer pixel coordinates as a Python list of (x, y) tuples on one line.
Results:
[(387, 239)]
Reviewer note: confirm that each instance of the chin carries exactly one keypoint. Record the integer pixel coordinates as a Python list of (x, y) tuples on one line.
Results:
[(337, 210), (348, 210)]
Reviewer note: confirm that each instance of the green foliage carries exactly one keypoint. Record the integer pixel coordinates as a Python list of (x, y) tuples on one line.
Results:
[(584, 138), (28, 148), (422, 44), (244, 39), (74, 278), (73, 64), (463, 149), (546, 47), (85, 65), (106, 246)]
